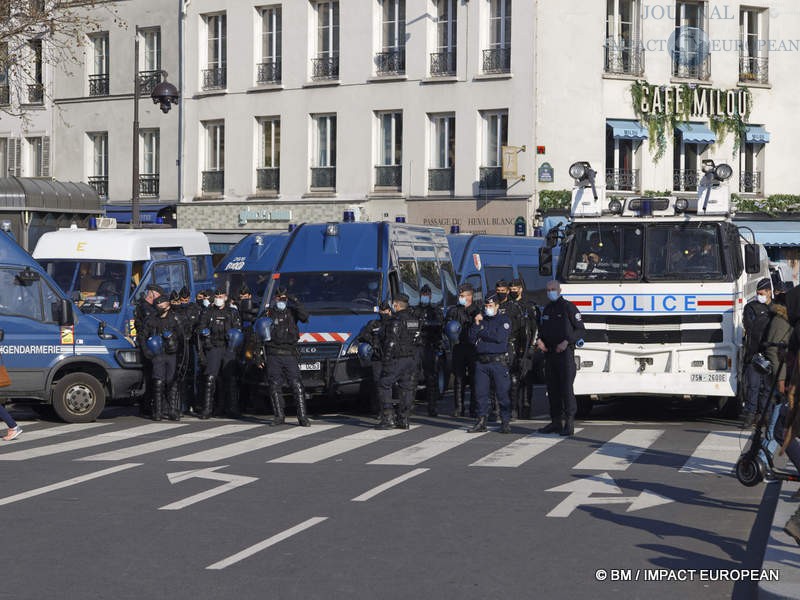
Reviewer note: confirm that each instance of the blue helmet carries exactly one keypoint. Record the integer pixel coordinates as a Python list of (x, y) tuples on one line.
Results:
[(365, 354), (166, 334), (235, 339), (263, 329), (155, 344), (205, 332), (452, 329)]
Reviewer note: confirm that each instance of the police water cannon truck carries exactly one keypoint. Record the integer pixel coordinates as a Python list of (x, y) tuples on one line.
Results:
[(661, 283)]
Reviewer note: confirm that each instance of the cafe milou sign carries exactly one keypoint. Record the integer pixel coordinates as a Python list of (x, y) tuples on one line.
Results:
[(661, 107)]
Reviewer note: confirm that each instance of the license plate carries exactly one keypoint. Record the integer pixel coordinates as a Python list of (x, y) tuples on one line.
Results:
[(709, 377), (315, 366)]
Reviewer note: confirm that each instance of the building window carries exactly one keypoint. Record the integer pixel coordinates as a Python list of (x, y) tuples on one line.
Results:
[(214, 173), (150, 66), (624, 52), (389, 170), (443, 153), (391, 60), (444, 60), (687, 158), (215, 74), (38, 156), (622, 163), (690, 58), (754, 51), (36, 73), (497, 59), (323, 171), (99, 170), (495, 136), (326, 64), (149, 146), (98, 79), (268, 172), (752, 168), (269, 69), (11, 147)]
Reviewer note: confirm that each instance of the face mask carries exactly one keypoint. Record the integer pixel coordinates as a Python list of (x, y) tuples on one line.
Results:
[(761, 299), (516, 295), (462, 301), (425, 300), (490, 312), (552, 295), (280, 305), (219, 302), (206, 302), (502, 296)]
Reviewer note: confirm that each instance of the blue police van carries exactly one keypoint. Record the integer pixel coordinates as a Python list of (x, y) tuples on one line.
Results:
[(341, 272), (53, 352)]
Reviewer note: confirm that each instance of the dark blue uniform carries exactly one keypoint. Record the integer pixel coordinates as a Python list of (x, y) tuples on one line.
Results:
[(283, 356), (219, 360), (491, 338), (399, 354), (463, 359)]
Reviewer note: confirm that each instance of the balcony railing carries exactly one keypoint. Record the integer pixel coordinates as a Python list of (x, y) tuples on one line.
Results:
[(443, 64), (98, 85), (100, 184), (215, 79), (685, 181), (5, 95), (441, 180), (753, 69), (323, 177), (690, 65), (624, 58), (750, 182), (213, 182), (148, 185), (325, 67), (492, 178), (389, 176), (269, 72), (268, 179), (392, 62), (621, 180), (497, 60), (35, 93), (148, 80)]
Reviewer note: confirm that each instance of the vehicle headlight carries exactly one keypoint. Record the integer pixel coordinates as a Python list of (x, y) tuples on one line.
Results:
[(352, 349), (128, 357), (718, 362)]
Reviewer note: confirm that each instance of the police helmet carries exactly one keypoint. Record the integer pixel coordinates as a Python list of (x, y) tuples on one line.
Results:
[(205, 332), (365, 352), (452, 330), (235, 338), (263, 329), (155, 344)]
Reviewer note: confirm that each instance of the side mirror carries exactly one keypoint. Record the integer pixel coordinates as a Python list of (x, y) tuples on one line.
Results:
[(545, 261), (2, 335), (752, 259), (66, 317)]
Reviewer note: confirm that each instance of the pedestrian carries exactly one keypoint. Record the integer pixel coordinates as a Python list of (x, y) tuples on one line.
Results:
[(283, 355), (462, 353), (756, 318), (144, 308), (219, 326), (371, 334), (14, 430), (163, 335), (430, 318), (399, 366), (490, 333), (560, 329)]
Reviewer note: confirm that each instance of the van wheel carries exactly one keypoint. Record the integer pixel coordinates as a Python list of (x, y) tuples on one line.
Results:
[(730, 408), (78, 398), (585, 406)]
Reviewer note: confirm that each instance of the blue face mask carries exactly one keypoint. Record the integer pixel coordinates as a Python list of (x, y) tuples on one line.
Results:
[(280, 305), (206, 302), (462, 301), (490, 312), (425, 300), (552, 295)]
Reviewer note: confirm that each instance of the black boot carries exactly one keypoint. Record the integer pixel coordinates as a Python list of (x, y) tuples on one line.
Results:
[(505, 427), (174, 402), (158, 398), (207, 403), (480, 426), (554, 427), (387, 418), (433, 399), (458, 398), (300, 402), (277, 406), (234, 409), (494, 412), (569, 427)]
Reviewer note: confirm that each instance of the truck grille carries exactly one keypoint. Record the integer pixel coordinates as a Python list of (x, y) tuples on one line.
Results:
[(670, 329), (311, 351)]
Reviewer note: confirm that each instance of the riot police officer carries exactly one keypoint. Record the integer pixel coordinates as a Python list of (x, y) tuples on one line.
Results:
[(283, 355), (187, 365), (516, 342), (560, 329), (398, 352), (521, 396), (430, 318), (371, 334), (144, 308), (248, 311), (463, 352), (756, 318), (163, 335), (218, 327), (490, 333)]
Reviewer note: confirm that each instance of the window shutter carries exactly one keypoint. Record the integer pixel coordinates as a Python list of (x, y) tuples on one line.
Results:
[(13, 157), (45, 166)]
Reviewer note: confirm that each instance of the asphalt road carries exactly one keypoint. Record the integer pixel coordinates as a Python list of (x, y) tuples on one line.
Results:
[(114, 510)]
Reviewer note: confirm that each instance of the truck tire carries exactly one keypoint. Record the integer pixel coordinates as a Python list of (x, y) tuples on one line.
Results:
[(585, 406), (730, 408), (78, 398)]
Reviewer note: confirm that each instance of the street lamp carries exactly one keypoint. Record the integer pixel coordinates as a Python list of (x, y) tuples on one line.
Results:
[(165, 94)]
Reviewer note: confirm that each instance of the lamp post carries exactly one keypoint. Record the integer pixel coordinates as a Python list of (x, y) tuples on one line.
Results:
[(164, 94)]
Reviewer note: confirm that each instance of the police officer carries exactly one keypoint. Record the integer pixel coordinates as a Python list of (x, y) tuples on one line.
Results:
[(215, 327), (463, 352), (560, 329), (248, 311), (756, 317), (189, 312), (283, 355), (398, 352), (163, 335), (144, 308), (516, 342), (371, 334), (529, 312), (430, 318), (490, 333)]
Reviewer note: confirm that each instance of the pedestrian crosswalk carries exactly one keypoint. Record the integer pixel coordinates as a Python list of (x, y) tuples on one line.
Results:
[(593, 448)]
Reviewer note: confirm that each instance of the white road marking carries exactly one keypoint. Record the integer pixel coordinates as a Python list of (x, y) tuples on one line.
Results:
[(389, 484), (230, 480), (253, 444), (427, 449), (247, 552), (581, 493), (521, 451), (340, 446), (621, 452), (66, 483), (39, 434), (170, 442), (716, 454)]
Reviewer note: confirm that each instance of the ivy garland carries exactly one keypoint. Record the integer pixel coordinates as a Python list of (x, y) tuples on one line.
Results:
[(661, 126)]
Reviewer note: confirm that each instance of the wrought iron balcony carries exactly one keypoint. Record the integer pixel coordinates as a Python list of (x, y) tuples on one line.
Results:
[(750, 182), (213, 182), (268, 179), (441, 180), (36, 93), (100, 184), (753, 69), (624, 58), (269, 72), (691, 65), (325, 67), (323, 177), (5, 94), (98, 85), (148, 185), (443, 64), (215, 79), (685, 181), (621, 180), (492, 178), (392, 62), (389, 176), (147, 81), (497, 60)]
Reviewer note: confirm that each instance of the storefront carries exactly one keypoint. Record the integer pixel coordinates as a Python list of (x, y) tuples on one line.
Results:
[(149, 214), (496, 216), (780, 236)]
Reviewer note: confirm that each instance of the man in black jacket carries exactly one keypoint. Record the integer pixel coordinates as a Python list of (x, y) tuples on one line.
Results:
[(371, 334), (430, 317), (215, 326), (755, 319), (463, 352), (166, 325)]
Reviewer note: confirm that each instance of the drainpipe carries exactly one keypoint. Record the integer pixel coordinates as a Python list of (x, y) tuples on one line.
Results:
[(182, 4)]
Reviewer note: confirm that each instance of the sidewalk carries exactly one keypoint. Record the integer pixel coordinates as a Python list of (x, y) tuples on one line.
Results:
[(782, 552)]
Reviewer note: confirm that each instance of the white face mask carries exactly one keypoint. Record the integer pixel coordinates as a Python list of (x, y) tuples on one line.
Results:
[(761, 299), (490, 312), (552, 295), (206, 302), (219, 302), (280, 305), (462, 300)]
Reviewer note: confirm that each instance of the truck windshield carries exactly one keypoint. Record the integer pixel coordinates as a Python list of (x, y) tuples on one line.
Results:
[(334, 291), (95, 286), (257, 282), (684, 251), (605, 251)]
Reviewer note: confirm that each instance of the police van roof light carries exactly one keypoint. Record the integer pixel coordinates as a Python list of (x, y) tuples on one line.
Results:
[(681, 205), (615, 206), (259, 240), (455, 229), (400, 219), (349, 216), (292, 226), (332, 229), (583, 174), (723, 172)]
